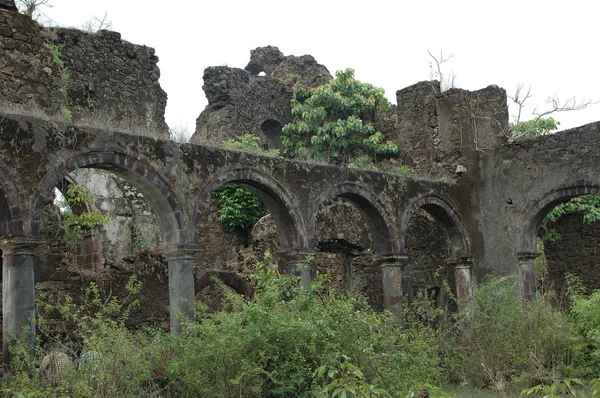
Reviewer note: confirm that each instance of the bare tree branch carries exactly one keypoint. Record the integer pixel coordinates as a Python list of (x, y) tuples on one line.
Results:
[(95, 24), (436, 73), (556, 105)]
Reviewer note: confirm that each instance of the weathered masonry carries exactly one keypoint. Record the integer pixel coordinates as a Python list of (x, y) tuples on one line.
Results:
[(488, 195), (491, 221)]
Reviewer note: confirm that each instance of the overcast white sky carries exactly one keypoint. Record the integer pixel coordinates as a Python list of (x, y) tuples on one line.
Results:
[(549, 45)]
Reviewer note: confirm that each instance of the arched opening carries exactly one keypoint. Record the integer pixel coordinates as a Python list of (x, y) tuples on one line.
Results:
[(271, 130), (560, 240), (144, 224), (351, 230), (235, 250), (437, 245)]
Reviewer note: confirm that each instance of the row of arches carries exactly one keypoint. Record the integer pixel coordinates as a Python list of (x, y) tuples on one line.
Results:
[(296, 229), (169, 205)]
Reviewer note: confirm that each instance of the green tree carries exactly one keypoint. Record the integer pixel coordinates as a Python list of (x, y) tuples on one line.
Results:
[(534, 128), (334, 122)]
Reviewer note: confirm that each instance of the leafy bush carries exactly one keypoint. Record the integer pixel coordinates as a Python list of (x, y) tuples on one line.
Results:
[(533, 128), (272, 344), (113, 361), (76, 226), (65, 78), (334, 122), (585, 320), (238, 207)]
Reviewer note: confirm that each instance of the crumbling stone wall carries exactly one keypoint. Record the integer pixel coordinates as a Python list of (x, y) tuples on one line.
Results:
[(113, 82), (576, 252), (437, 132), (428, 250), (241, 101), (132, 226), (29, 77)]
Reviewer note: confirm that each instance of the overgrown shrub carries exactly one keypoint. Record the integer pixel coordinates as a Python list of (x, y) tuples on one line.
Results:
[(584, 317), (238, 207), (511, 340), (271, 345)]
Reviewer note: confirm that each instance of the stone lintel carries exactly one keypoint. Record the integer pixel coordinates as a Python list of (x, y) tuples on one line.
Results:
[(179, 252)]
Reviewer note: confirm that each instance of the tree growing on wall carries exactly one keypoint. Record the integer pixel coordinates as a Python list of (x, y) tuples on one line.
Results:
[(31, 7), (334, 122)]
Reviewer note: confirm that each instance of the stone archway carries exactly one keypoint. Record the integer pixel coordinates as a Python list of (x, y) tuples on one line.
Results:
[(165, 202), (457, 262), (385, 235), (271, 129), (280, 203), (526, 239), (372, 273)]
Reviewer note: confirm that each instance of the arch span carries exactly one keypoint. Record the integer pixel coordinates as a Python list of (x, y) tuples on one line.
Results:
[(235, 281), (385, 236), (444, 212), (159, 192), (11, 222), (535, 213), (281, 204)]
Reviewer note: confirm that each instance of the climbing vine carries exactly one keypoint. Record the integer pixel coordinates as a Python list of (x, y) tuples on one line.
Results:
[(588, 206)]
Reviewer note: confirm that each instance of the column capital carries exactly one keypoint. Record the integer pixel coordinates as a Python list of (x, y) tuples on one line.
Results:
[(391, 260), (296, 255), (174, 252), (460, 262), (21, 242), (524, 256)]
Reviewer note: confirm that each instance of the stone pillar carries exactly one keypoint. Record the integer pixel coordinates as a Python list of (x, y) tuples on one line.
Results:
[(89, 251), (527, 281), (463, 274), (181, 284), (300, 263), (391, 274), (18, 291)]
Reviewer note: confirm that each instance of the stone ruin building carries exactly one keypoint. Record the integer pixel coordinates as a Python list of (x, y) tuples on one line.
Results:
[(472, 206)]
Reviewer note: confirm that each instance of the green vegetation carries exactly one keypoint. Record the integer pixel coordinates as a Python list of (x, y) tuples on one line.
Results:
[(334, 122), (533, 128), (248, 143), (294, 341), (76, 226), (238, 207), (65, 77)]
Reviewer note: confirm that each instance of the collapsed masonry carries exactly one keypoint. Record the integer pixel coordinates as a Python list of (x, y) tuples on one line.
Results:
[(114, 86)]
